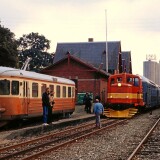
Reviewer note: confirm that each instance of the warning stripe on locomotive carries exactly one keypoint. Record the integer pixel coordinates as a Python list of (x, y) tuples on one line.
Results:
[(125, 95)]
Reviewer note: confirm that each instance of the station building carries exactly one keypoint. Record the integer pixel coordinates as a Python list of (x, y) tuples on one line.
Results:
[(85, 64)]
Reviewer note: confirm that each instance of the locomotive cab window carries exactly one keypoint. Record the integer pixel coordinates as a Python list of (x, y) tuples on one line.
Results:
[(4, 87), (136, 82), (129, 80), (119, 79), (112, 81), (15, 88)]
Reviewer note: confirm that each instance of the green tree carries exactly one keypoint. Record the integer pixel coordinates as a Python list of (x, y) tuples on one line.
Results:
[(8, 48), (35, 46)]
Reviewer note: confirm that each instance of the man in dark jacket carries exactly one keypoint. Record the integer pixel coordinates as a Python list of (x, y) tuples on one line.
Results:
[(87, 101), (46, 105)]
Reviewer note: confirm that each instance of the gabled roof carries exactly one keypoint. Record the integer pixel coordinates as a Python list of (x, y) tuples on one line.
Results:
[(126, 58), (69, 56), (92, 52)]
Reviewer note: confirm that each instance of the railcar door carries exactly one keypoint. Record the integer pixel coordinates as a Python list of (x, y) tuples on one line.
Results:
[(26, 97)]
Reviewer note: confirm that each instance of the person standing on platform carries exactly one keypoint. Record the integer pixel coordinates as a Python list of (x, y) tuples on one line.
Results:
[(46, 105), (87, 101), (51, 101), (98, 111), (97, 97)]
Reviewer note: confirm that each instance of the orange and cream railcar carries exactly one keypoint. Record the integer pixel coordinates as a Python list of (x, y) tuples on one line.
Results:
[(21, 94)]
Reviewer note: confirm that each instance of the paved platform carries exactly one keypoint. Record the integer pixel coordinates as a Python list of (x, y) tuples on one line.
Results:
[(78, 116)]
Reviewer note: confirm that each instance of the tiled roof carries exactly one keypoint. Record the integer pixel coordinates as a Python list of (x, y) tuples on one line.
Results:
[(91, 52)]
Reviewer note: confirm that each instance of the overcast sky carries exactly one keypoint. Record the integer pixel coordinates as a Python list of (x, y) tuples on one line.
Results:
[(136, 23)]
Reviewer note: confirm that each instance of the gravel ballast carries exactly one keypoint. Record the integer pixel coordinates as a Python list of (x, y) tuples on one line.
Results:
[(114, 144)]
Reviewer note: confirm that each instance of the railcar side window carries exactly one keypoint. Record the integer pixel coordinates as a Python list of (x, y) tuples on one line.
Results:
[(51, 88), (112, 81), (58, 91), (4, 87), (69, 91), (64, 91), (34, 89), (43, 88), (15, 88), (136, 82)]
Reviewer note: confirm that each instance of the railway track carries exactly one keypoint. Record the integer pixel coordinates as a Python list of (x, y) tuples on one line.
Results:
[(34, 148), (149, 147)]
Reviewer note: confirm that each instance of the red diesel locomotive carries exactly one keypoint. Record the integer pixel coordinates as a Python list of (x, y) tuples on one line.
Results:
[(128, 93)]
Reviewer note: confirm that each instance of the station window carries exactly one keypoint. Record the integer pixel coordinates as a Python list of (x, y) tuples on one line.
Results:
[(58, 91), (15, 88), (4, 87), (64, 91), (34, 89), (69, 91)]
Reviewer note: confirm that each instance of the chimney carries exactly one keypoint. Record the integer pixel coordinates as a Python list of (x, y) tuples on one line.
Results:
[(90, 39)]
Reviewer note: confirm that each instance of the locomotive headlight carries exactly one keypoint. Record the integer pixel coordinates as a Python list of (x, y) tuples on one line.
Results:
[(110, 96), (126, 96), (119, 84)]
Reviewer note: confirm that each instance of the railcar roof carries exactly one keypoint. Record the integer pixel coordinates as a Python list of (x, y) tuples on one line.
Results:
[(6, 71), (144, 79)]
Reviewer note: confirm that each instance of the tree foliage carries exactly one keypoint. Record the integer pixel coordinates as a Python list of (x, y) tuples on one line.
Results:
[(33, 41), (8, 48), (35, 46)]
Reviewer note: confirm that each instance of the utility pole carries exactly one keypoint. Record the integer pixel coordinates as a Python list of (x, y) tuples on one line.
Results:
[(106, 43)]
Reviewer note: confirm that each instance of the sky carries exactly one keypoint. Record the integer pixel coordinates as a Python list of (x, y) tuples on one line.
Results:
[(135, 23)]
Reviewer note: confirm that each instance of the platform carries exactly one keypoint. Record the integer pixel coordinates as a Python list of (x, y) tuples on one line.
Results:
[(78, 116)]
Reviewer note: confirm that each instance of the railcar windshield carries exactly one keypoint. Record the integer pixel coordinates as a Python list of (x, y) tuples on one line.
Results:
[(4, 87)]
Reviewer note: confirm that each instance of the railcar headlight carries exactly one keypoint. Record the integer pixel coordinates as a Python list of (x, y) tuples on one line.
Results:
[(119, 84), (110, 96), (126, 96)]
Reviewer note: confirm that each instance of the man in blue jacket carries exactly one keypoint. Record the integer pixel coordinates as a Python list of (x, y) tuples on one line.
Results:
[(98, 110)]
